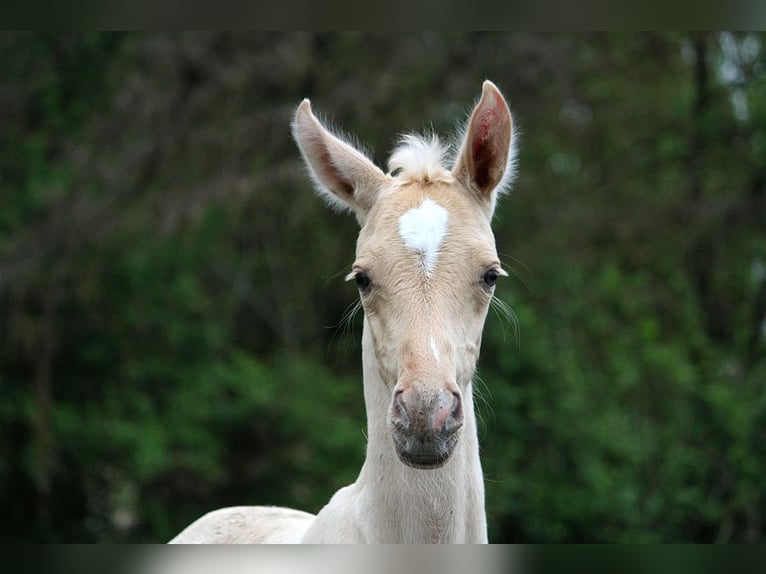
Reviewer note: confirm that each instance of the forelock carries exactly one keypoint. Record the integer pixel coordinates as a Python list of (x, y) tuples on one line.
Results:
[(420, 158)]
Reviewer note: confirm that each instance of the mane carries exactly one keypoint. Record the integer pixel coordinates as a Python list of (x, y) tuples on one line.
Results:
[(420, 157)]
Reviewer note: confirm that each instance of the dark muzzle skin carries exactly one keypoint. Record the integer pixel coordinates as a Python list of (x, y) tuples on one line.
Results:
[(425, 435)]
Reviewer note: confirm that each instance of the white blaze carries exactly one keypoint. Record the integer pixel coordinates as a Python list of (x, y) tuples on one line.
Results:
[(423, 229)]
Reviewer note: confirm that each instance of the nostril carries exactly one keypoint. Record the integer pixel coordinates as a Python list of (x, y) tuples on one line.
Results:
[(399, 410), (398, 399), (455, 420), (457, 408), (446, 413)]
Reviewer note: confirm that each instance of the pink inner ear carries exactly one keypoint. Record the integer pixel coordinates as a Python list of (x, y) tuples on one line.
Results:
[(326, 169), (332, 174), (484, 154)]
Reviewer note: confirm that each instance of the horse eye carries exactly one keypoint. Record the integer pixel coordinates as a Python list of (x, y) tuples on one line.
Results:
[(362, 281), (490, 278)]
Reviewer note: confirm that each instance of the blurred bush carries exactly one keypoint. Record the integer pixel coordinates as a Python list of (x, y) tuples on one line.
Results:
[(172, 299)]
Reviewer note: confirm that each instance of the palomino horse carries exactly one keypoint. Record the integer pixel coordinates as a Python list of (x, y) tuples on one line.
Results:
[(426, 267)]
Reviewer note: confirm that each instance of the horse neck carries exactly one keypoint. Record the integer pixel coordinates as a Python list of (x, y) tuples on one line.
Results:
[(410, 505)]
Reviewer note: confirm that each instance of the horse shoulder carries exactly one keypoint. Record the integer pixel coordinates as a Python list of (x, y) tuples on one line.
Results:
[(247, 525)]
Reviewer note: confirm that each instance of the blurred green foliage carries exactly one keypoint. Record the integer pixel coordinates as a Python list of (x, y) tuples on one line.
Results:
[(171, 292)]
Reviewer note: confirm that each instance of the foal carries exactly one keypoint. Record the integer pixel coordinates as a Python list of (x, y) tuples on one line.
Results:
[(426, 268)]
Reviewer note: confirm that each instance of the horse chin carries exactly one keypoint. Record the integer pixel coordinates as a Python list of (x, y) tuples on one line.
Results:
[(423, 461), (426, 454)]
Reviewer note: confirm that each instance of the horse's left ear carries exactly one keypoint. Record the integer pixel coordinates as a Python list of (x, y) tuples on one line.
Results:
[(482, 163)]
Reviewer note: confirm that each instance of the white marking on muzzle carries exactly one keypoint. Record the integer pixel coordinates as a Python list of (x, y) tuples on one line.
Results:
[(434, 349), (423, 229)]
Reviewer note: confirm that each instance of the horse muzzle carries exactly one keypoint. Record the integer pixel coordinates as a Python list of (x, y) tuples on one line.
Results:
[(425, 432)]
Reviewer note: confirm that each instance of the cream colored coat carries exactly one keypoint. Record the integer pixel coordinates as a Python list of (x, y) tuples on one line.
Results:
[(426, 265)]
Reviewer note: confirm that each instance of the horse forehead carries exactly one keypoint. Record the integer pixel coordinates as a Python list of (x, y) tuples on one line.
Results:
[(413, 215), (430, 221)]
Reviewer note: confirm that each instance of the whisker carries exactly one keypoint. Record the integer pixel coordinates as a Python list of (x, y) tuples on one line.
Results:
[(520, 276), (333, 276), (482, 402), (518, 273), (507, 316), (493, 480), (346, 323), (505, 255)]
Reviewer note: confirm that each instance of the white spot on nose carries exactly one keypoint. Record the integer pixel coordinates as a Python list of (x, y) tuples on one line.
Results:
[(434, 349), (423, 229)]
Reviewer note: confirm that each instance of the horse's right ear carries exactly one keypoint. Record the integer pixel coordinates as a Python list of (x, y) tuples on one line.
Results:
[(343, 175)]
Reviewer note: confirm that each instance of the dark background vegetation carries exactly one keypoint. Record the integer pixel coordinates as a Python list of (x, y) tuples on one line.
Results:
[(171, 290)]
